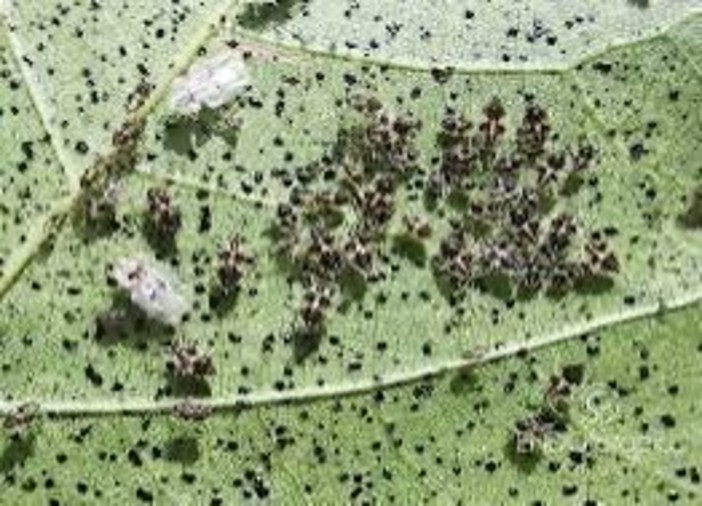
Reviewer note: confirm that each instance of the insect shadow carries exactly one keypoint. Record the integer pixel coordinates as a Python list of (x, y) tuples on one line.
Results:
[(126, 325), (305, 342), (524, 462), (692, 217), (222, 301), (182, 134), (163, 245), (593, 284), (181, 386), (410, 249), (258, 16), (183, 450), (95, 218), (17, 451), (465, 381), (497, 284), (641, 4), (353, 288)]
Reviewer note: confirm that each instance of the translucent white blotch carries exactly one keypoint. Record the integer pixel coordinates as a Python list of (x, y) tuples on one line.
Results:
[(210, 83), (152, 289)]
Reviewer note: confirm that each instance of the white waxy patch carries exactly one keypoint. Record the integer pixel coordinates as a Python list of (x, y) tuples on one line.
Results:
[(151, 289), (210, 83)]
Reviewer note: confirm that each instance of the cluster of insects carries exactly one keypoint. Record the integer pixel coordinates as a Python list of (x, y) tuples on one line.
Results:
[(97, 210), (150, 285), (499, 193), (531, 433), (187, 361), (327, 235), (234, 263), (505, 192), (191, 411), (162, 220), (463, 150), (188, 369)]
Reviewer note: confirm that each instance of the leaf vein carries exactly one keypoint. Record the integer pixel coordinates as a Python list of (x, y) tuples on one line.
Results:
[(111, 407)]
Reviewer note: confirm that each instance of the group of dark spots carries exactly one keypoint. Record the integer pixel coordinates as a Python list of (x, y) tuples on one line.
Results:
[(330, 233), (506, 236), (551, 418), (500, 192)]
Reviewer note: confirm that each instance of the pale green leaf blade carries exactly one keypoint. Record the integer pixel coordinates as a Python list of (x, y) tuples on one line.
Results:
[(33, 179), (634, 433), (351, 416), (498, 34)]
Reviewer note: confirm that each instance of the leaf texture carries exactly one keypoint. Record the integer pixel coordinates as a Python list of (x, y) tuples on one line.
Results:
[(413, 391)]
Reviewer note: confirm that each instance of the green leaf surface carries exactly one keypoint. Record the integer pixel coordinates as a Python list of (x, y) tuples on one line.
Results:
[(414, 385), (633, 435)]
